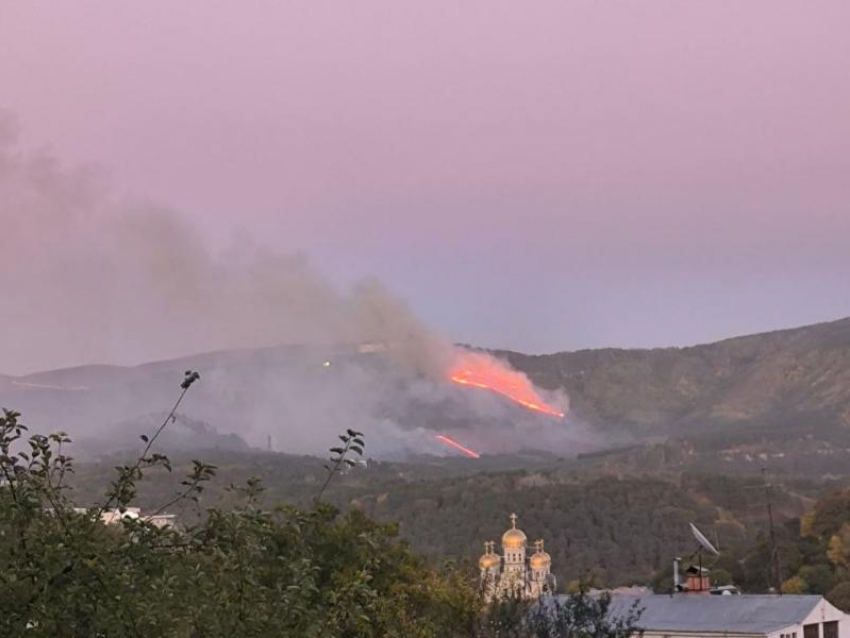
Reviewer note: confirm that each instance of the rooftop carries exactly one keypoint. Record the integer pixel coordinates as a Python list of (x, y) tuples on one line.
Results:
[(745, 614)]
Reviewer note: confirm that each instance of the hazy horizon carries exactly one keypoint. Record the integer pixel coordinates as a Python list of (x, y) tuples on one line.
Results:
[(201, 353)]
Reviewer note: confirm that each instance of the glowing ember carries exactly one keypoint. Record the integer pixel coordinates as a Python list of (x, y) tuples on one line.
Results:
[(444, 439), (484, 372)]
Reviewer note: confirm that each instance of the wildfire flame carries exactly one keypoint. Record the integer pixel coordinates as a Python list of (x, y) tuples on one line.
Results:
[(451, 442), (484, 372)]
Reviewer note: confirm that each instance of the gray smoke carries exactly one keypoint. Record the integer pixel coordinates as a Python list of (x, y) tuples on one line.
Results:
[(89, 277), (86, 276)]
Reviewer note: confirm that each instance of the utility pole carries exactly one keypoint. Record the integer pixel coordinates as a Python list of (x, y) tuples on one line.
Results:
[(774, 550)]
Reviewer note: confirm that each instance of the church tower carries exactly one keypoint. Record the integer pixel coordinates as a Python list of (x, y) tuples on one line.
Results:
[(541, 580), (490, 564), (514, 575)]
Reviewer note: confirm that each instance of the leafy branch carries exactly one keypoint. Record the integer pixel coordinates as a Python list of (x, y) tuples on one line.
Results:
[(193, 484), (123, 489), (353, 443)]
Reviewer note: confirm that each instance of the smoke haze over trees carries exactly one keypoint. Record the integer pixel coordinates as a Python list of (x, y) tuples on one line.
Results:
[(97, 278)]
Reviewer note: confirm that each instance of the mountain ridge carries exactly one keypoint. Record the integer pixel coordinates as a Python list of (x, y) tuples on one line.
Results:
[(236, 352), (793, 374), (783, 384)]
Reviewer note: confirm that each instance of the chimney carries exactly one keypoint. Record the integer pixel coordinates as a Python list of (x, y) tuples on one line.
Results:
[(698, 580), (676, 574)]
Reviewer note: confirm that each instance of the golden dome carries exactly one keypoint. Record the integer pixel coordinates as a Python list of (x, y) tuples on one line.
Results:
[(489, 560), (514, 538), (541, 560)]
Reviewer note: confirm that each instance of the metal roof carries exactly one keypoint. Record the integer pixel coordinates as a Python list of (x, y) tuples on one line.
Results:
[(745, 614)]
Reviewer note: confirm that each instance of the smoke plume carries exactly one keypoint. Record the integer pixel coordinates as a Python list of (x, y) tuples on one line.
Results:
[(87, 276)]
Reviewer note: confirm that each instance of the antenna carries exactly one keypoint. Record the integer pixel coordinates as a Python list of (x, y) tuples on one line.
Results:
[(704, 545), (703, 541)]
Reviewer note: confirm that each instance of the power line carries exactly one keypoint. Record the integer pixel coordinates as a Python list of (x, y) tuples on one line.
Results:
[(774, 549)]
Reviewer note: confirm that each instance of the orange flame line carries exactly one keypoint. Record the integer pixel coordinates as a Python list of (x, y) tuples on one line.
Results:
[(444, 439), (531, 406)]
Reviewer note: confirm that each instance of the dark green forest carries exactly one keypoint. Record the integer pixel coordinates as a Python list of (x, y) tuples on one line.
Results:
[(616, 528)]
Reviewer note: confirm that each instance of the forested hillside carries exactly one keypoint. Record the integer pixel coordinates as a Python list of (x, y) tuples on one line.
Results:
[(779, 387), (786, 381), (619, 529), (703, 422)]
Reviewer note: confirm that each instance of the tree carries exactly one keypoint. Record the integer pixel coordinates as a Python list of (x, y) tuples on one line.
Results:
[(246, 571), (795, 585), (241, 572), (838, 549), (820, 578), (506, 617), (840, 596), (583, 615)]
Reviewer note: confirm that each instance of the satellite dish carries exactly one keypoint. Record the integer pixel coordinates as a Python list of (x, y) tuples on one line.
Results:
[(702, 540)]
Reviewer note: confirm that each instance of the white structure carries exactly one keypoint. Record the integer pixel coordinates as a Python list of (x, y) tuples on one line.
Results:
[(745, 616), (113, 516), (513, 573)]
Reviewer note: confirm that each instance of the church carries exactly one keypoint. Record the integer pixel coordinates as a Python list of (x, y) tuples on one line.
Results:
[(513, 573)]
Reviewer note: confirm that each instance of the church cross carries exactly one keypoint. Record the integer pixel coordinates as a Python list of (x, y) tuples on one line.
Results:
[(513, 521)]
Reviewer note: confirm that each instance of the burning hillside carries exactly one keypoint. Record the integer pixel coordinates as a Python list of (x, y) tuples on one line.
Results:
[(467, 402), (442, 438), (487, 373)]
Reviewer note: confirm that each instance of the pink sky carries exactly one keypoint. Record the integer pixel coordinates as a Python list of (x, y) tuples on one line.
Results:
[(533, 175)]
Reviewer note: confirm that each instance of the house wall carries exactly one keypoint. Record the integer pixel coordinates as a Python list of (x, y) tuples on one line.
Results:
[(825, 612), (685, 634), (791, 631)]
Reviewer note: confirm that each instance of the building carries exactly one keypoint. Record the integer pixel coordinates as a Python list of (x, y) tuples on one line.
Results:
[(743, 616), (113, 516), (513, 573)]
